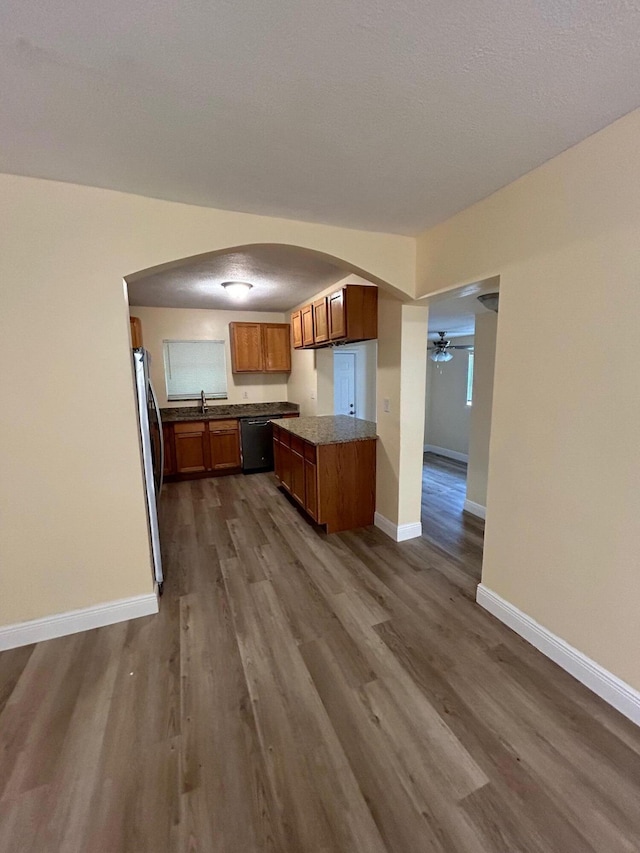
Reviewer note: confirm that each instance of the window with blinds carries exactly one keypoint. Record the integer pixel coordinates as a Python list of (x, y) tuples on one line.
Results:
[(470, 378), (194, 366)]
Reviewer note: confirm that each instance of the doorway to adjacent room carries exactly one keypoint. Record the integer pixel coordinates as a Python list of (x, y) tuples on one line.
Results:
[(344, 383), (458, 403)]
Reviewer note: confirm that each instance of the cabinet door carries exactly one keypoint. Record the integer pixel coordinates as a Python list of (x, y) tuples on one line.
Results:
[(297, 477), (277, 458), (285, 466), (247, 354), (311, 489), (169, 466), (277, 348), (337, 316), (224, 449), (191, 448), (136, 332), (296, 329), (320, 321), (307, 325)]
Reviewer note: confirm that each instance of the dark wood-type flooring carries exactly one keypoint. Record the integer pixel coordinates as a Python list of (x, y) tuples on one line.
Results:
[(304, 693)]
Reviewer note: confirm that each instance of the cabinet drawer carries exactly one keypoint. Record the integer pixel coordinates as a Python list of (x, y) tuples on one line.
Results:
[(297, 445), (218, 426), (285, 438), (191, 426), (310, 452)]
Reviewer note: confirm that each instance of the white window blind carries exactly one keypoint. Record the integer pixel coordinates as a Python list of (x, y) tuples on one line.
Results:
[(194, 366)]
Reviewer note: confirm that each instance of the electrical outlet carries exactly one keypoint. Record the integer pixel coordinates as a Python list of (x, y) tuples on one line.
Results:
[(386, 404), (245, 395)]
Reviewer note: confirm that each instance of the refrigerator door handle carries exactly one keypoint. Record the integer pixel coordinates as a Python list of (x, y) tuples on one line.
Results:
[(160, 478)]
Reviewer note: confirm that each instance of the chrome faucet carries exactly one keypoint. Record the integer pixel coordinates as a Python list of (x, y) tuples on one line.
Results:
[(203, 403)]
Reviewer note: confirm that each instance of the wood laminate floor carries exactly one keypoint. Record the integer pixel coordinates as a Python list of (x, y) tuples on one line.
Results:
[(444, 524), (300, 693)]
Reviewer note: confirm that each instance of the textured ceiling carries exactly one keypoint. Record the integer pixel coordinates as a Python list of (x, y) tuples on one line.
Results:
[(365, 113), (282, 277)]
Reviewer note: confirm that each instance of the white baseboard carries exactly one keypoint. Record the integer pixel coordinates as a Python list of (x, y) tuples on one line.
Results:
[(444, 451), (61, 624), (475, 509), (399, 533), (607, 686)]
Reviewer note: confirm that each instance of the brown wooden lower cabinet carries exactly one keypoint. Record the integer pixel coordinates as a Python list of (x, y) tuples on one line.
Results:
[(209, 448), (334, 483), (201, 448), (311, 489), (190, 447), (169, 466), (297, 470), (224, 445)]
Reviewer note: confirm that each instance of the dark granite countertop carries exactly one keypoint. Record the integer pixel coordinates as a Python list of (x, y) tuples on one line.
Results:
[(329, 429), (239, 410)]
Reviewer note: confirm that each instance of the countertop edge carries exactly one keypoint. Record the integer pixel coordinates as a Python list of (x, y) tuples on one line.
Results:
[(294, 427)]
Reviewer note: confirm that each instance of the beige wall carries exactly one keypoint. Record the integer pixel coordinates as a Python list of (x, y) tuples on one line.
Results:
[(563, 527), (402, 354), (74, 530), (159, 324), (480, 422), (447, 415)]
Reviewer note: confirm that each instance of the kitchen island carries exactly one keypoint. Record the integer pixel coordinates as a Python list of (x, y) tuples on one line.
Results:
[(328, 466)]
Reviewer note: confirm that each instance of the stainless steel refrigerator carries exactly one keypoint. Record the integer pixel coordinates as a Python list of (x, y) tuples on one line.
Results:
[(152, 446)]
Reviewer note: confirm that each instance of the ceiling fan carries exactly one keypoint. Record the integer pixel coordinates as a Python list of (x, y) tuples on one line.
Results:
[(440, 351)]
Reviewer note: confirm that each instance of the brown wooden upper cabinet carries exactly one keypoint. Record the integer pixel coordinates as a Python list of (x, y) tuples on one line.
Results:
[(260, 347), (136, 332), (307, 326), (296, 329), (320, 321), (345, 316), (337, 320), (276, 347)]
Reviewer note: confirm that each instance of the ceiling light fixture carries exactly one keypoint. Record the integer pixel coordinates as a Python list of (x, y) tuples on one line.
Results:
[(440, 350), (489, 301), (440, 356), (237, 289)]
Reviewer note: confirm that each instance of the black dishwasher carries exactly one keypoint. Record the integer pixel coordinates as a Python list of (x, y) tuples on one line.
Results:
[(257, 444)]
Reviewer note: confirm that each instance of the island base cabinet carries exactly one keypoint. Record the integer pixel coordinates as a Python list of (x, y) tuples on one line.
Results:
[(346, 484), (311, 489), (334, 483)]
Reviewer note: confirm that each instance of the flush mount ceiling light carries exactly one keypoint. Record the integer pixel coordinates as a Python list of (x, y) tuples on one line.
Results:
[(237, 289), (489, 300)]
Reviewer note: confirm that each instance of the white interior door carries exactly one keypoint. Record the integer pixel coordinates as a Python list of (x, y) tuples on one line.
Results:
[(344, 383)]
